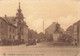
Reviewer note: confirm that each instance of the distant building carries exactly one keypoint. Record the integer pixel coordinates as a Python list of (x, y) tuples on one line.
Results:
[(32, 36), (41, 37), (25, 33), (76, 33), (53, 31), (69, 31)]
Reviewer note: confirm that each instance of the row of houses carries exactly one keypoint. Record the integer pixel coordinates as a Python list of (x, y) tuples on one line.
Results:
[(74, 32)]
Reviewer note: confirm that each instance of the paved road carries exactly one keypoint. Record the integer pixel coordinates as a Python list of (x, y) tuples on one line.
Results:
[(41, 49)]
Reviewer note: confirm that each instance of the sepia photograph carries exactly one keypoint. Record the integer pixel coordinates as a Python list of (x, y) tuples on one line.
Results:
[(39, 27)]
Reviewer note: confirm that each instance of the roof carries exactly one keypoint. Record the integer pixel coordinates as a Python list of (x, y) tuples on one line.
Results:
[(24, 23), (2, 19), (76, 22), (54, 23), (11, 21)]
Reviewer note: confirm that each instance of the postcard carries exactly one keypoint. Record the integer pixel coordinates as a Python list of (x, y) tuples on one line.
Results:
[(39, 27)]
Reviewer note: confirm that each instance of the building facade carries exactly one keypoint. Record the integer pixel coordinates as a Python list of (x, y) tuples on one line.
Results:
[(70, 30), (7, 31), (13, 30), (74, 31), (25, 33), (3, 30), (52, 31), (40, 37), (32, 36)]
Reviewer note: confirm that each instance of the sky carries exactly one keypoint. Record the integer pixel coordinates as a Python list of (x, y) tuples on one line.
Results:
[(35, 11)]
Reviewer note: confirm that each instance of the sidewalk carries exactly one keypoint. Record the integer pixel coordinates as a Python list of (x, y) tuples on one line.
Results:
[(60, 44)]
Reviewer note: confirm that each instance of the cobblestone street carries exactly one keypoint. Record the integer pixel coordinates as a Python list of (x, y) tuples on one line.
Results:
[(41, 49)]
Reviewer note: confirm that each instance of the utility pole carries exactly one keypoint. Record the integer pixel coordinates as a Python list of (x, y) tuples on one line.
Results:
[(43, 27)]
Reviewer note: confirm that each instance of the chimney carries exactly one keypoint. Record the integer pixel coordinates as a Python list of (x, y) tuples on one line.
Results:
[(5, 16)]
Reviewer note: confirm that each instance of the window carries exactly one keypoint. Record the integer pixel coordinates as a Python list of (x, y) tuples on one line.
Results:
[(20, 28), (10, 29), (13, 37), (13, 30), (0, 35), (10, 37), (75, 34), (1, 25)]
